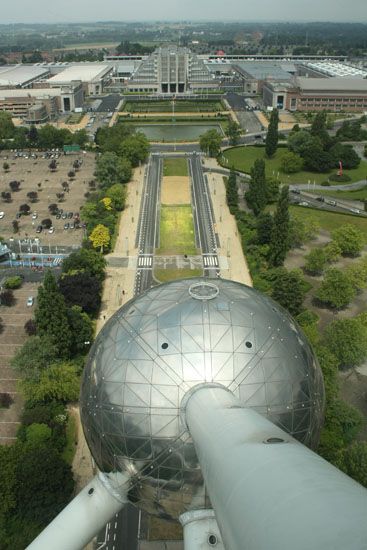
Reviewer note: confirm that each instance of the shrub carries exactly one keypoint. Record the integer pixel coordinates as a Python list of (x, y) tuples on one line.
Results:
[(30, 327), (13, 282), (7, 298), (335, 177)]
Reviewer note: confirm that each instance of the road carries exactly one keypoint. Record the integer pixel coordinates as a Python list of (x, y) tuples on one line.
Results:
[(203, 217), (148, 231)]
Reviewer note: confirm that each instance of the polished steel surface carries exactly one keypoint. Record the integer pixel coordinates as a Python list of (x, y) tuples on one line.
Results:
[(164, 342)]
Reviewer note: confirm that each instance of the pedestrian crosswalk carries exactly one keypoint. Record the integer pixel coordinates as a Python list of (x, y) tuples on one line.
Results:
[(145, 261), (210, 261)]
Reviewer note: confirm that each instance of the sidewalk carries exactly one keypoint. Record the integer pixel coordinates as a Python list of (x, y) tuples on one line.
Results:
[(226, 227)]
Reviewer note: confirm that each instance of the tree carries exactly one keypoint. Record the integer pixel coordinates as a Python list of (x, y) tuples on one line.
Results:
[(272, 190), (53, 165), (33, 134), (87, 260), (36, 354), (233, 132), (15, 225), (346, 155), (33, 196), (301, 231), (7, 298), (60, 196), (318, 128), (279, 242), (7, 127), (81, 328), (354, 462), (81, 289), (349, 238), (65, 186), (135, 148), (60, 382), (332, 251), (264, 226), (210, 142), (38, 434), (14, 186), (24, 209), (347, 340), (271, 140), (112, 169), (100, 237), (357, 275), (44, 483), (52, 208), (289, 290), (316, 261), (336, 290), (232, 191), (291, 163), (50, 315), (46, 223), (256, 195), (316, 159), (71, 175), (117, 194), (30, 327), (6, 196), (6, 166), (5, 400)]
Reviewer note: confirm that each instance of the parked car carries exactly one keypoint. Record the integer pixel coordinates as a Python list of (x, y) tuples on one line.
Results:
[(296, 191), (2, 214), (18, 215), (58, 216), (39, 229), (51, 230), (34, 216), (304, 203), (66, 225), (331, 202), (64, 216), (30, 301), (72, 226), (70, 215), (321, 199), (355, 210)]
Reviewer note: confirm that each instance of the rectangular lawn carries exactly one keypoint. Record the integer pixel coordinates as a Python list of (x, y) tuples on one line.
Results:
[(243, 158), (329, 220), (176, 231), (175, 167)]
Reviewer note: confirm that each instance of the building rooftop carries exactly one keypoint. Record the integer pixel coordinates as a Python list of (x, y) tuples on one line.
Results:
[(85, 73), (21, 75), (30, 92), (334, 84), (333, 68), (262, 70)]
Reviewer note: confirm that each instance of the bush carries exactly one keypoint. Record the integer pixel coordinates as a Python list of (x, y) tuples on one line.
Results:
[(342, 179), (13, 282)]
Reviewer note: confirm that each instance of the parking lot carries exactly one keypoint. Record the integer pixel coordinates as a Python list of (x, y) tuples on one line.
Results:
[(34, 174), (12, 338)]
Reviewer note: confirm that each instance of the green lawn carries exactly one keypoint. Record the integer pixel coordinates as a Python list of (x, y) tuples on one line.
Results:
[(176, 231), (181, 106), (353, 195), (329, 220), (165, 275), (243, 158), (175, 167)]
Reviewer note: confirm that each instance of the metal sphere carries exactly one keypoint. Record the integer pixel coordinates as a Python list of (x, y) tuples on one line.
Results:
[(164, 342)]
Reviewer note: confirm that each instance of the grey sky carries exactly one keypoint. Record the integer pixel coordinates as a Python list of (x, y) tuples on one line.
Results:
[(31, 11)]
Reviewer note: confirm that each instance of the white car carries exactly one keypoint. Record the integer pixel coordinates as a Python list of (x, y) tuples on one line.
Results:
[(1, 215), (304, 203), (51, 230), (34, 216), (30, 301)]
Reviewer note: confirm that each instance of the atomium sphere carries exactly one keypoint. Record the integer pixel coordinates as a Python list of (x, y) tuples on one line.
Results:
[(164, 342)]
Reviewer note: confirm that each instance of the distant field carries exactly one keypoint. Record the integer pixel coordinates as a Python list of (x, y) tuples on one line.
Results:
[(165, 106), (243, 158), (176, 231), (88, 45), (329, 220), (175, 167)]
